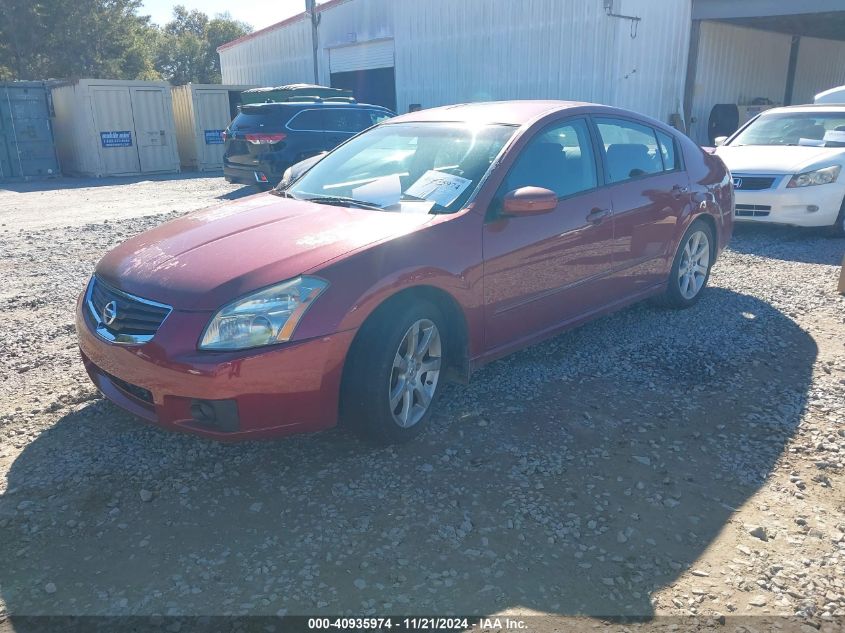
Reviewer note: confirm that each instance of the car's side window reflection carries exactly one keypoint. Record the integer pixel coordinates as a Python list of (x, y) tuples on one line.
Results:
[(559, 158), (630, 149)]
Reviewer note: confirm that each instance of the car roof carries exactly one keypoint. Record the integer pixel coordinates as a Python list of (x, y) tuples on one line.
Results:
[(507, 112), (809, 107)]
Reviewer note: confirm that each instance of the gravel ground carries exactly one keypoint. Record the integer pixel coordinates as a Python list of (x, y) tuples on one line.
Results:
[(651, 462)]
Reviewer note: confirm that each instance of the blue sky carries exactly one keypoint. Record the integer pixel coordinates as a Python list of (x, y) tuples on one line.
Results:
[(258, 13)]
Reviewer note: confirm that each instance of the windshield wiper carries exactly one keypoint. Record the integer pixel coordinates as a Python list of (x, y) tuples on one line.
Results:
[(341, 201)]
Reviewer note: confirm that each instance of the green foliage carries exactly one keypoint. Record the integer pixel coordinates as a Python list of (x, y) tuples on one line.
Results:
[(108, 39), (187, 49)]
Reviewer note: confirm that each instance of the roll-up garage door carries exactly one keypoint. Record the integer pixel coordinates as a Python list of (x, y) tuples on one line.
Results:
[(365, 56)]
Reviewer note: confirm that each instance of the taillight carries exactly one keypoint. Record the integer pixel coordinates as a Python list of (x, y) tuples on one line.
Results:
[(265, 139)]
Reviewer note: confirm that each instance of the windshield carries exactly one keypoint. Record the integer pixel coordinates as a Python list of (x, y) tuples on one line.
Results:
[(406, 167), (819, 129)]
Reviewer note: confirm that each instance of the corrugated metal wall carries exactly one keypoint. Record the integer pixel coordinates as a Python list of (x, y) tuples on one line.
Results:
[(736, 65), (821, 65), (449, 51), (275, 57)]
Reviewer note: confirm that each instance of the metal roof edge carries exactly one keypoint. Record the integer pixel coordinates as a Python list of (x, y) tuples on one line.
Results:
[(278, 25)]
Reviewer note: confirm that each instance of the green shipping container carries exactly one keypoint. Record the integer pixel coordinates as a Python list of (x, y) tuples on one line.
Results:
[(26, 136)]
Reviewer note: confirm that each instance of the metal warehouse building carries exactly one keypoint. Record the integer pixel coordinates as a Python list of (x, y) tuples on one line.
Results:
[(671, 59)]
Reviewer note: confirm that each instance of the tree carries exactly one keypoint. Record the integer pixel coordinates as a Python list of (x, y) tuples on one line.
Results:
[(187, 49), (42, 39)]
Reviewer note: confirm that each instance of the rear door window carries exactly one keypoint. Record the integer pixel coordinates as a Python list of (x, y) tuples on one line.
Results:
[(348, 120), (308, 121), (630, 149)]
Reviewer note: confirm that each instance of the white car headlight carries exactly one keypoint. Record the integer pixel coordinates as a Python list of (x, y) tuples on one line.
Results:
[(263, 318), (815, 177)]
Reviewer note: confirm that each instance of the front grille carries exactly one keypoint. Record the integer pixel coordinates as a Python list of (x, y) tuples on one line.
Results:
[(752, 183), (753, 210), (122, 317)]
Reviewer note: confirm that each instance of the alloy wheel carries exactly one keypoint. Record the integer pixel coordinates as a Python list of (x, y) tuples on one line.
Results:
[(695, 262), (415, 372)]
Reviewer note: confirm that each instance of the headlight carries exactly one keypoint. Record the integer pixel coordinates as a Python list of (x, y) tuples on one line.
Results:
[(263, 318), (816, 177)]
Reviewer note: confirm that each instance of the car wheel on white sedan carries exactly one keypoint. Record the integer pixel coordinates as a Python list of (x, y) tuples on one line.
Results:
[(691, 267), (838, 228), (393, 371)]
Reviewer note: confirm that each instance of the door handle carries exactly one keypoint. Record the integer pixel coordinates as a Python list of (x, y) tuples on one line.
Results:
[(679, 191), (597, 215)]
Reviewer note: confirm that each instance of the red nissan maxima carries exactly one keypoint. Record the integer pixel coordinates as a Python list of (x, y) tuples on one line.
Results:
[(412, 254)]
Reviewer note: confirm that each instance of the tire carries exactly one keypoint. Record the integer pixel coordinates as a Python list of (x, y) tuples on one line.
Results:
[(685, 284), (373, 400), (838, 228)]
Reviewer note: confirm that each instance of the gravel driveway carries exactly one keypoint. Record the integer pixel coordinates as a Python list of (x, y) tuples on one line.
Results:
[(651, 462)]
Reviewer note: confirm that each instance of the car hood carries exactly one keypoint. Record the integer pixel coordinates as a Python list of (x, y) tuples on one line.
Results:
[(205, 259), (776, 159)]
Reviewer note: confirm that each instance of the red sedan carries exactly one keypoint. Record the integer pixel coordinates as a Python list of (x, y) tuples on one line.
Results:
[(412, 254)]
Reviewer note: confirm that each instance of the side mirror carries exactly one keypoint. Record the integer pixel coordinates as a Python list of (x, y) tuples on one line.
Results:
[(720, 140), (529, 201), (298, 169)]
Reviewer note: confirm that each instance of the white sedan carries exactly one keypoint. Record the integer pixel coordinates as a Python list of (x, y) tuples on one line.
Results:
[(787, 166)]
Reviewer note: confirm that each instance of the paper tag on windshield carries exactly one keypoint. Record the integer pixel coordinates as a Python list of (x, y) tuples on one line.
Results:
[(834, 136), (438, 187), (385, 191), (811, 142)]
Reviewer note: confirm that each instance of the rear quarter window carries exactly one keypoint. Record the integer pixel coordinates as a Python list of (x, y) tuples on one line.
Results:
[(669, 152)]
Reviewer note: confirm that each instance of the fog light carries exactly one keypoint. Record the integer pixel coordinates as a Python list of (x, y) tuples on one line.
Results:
[(812, 208), (220, 415), (203, 412)]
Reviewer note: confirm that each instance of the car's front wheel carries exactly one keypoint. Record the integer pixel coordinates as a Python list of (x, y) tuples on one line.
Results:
[(393, 372), (691, 267), (838, 228)]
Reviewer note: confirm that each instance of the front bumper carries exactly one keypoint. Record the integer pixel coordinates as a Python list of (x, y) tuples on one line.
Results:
[(261, 393), (781, 205)]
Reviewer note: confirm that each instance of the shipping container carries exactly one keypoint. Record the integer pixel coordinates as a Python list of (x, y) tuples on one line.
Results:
[(26, 137), (114, 128), (202, 112)]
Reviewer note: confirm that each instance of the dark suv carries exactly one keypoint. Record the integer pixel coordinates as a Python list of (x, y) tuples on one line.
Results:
[(267, 138)]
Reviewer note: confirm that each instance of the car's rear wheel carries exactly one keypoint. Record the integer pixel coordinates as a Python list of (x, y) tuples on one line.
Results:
[(392, 376), (691, 267)]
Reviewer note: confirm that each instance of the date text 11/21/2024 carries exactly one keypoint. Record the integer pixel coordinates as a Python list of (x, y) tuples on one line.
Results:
[(419, 624)]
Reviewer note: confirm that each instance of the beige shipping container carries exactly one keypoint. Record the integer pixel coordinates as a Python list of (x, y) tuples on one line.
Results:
[(106, 127), (202, 112)]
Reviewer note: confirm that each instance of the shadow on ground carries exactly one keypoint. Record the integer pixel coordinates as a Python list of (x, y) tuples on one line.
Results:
[(576, 477), (67, 182), (779, 242)]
